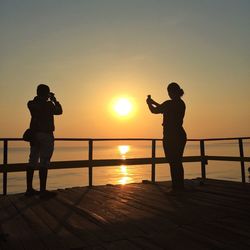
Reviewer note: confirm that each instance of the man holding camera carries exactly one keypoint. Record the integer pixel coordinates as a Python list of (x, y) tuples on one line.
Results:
[(42, 109)]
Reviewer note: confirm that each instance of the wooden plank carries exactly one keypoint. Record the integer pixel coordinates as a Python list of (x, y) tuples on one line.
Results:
[(25, 207), (161, 206), (179, 217), (183, 213), (67, 238), (148, 186), (145, 243), (199, 217), (71, 200), (212, 231), (236, 223), (228, 185), (219, 203), (116, 222), (130, 217), (121, 199), (226, 193), (197, 240), (77, 225), (7, 228), (20, 234), (182, 239), (134, 216), (121, 245)]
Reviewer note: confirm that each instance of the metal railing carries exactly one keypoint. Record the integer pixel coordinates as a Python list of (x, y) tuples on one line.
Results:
[(6, 167)]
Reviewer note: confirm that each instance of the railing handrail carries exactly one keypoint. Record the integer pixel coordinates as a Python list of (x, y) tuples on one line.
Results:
[(132, 139), (153, 160)]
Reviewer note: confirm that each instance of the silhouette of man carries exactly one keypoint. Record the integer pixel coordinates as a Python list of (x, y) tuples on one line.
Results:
[(42, 109), (174, 135)]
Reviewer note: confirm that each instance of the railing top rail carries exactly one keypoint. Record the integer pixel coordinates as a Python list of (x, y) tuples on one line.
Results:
[(223, 139), (131, 139), (88, 139)]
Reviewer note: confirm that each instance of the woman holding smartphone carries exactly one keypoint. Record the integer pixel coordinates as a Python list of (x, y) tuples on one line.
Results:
[(174, 135)]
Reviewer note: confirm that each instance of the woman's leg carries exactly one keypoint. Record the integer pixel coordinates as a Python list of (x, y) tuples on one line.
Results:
[(168, 154), (179, 175), (174, 151), (178, 164)]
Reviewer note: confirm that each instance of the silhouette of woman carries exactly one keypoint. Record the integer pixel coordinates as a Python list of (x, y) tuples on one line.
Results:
[(174, 136)]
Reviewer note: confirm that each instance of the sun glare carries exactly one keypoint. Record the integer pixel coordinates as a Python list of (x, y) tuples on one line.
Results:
[(123, 149), (123, 107)]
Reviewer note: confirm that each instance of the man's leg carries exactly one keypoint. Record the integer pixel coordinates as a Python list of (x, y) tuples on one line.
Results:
[(46, 151), (33, 162), (43, 172)]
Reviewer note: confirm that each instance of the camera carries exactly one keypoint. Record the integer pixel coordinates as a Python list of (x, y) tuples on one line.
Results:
[(51, 95)]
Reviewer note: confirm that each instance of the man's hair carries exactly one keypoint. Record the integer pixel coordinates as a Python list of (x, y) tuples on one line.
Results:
[(42, 90)]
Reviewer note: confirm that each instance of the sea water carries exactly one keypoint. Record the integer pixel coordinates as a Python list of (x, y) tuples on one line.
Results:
[(18, 152)]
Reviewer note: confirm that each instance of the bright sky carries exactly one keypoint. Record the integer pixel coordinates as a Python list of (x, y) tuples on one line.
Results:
[(92, 52)]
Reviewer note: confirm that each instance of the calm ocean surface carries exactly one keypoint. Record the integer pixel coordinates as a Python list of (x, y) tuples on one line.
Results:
[(19, 152)]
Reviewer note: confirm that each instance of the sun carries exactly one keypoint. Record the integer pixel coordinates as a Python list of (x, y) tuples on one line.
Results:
[(123, 107)]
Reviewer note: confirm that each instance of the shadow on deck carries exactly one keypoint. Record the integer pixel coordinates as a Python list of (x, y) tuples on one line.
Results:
[(133, 216)]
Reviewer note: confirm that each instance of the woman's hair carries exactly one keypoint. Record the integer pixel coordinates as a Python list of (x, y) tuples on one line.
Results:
[(174, 88)]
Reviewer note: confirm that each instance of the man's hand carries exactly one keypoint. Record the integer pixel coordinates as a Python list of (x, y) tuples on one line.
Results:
[(52, 97)]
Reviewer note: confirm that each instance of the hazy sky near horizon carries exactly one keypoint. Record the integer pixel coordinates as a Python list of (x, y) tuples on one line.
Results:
[(90, 52)]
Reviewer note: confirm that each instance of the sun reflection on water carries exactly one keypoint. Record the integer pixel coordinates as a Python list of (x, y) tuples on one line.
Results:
[(123, 170), (125, 180)]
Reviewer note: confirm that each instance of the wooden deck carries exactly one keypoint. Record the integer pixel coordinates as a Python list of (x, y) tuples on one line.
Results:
[(134, 216)]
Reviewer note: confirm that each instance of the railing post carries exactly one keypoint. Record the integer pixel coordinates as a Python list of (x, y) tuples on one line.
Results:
[(153, 161), (203, 160), (90, 162), (5, 162), (242, 163)]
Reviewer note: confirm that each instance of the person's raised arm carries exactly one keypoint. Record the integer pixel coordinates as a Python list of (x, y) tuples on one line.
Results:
[(57, 108), (33, 107), (154, 106)]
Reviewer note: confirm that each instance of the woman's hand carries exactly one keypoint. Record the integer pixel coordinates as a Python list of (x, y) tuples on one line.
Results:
[(149, 100), (152, 102)]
